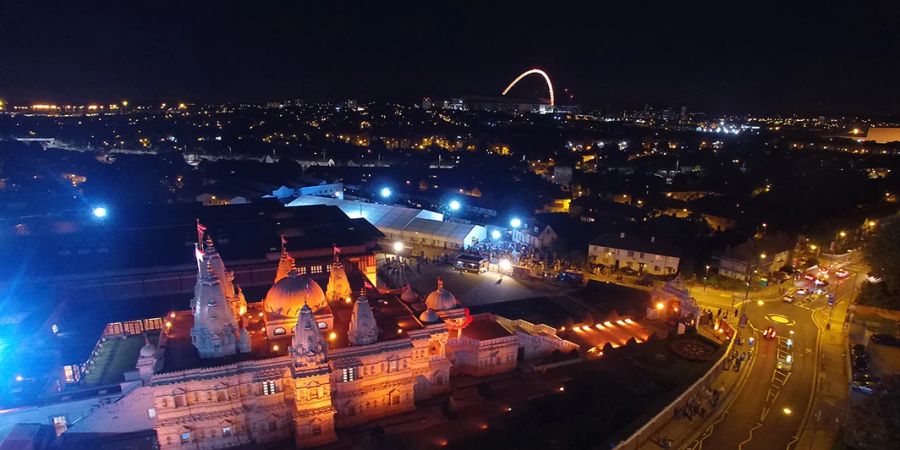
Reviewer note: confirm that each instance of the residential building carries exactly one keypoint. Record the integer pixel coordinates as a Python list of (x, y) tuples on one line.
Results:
[(641, 254)]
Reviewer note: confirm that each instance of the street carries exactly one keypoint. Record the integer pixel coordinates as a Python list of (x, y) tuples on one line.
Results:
[(774, 404)]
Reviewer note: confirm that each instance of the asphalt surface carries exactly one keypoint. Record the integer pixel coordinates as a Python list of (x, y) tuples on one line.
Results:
[(773, 404)]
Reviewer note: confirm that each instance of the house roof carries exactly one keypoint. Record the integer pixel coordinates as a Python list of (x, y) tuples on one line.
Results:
[(638, 243)]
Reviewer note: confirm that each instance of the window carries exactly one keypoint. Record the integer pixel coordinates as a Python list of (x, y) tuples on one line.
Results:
[(226, 431), (313, 393), (222, 395), (656, 268), (316, 430), (392, 365), (60, 424), (279, 331), (151, 413), (642, 255), (179, 401), (631, 253), (348, 374), (315, 269), (395, 398), (71, 373), (273, 426), (185, 438), (269, 387), (301, 270), (439, 380)]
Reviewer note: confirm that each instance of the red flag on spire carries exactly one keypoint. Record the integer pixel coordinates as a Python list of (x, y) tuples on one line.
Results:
[(336, 248), (200, 230)]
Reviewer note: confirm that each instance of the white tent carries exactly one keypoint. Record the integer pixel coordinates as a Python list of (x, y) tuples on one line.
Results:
[(407, 224)]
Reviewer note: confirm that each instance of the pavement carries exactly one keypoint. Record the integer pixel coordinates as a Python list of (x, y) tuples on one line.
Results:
[(830, 404), (471, 289), (683, 431)]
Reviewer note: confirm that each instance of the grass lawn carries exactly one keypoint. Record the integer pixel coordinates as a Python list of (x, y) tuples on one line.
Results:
[(116, 357)]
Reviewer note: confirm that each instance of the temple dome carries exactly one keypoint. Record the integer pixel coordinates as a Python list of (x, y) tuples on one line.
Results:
[(148, 350), (429, 316), (287, 295), (441, 299), (408, 295)]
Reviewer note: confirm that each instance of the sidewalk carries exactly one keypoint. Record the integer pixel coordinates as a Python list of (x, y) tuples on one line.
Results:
[(832, 395), (682, 431)]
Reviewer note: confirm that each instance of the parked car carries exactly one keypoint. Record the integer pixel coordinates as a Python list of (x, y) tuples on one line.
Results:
[(801, 291), (788, 299), (860, 363), (886, 339), (863, 382), (841, 273), (769, 333)]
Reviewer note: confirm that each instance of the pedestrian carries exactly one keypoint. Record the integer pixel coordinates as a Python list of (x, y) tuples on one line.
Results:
[(735, 312)]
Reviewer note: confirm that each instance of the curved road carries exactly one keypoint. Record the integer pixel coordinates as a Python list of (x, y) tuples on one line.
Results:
[(771, 407)]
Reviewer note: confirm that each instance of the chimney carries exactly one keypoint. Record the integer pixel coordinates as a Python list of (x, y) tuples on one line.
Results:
[(622, 235)]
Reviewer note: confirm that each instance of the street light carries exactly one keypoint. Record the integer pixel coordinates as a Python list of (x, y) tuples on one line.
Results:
[(505, 264), (385, 192), (398, 247), (705, 277), (842, 234)]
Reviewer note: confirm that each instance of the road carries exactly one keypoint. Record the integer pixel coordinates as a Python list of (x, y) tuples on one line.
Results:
[(772, 406)]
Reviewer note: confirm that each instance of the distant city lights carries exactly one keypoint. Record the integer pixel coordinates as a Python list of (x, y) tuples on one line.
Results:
[(100, 212)]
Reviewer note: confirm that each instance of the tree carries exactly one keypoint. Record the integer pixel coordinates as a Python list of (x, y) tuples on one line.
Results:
[(874, 423), (883, 253)]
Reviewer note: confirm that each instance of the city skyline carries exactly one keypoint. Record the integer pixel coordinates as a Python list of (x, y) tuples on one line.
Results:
[(784, 60)]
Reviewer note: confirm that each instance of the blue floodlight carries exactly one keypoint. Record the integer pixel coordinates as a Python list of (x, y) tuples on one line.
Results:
[(100, 212), (515, 222), (495, 234), (385, 192), (455, 205)]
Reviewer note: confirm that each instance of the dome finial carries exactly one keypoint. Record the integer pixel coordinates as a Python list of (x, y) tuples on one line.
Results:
[(440, 283)]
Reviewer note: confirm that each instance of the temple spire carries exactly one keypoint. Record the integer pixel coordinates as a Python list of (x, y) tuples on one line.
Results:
[(363, 328), (285, 261)]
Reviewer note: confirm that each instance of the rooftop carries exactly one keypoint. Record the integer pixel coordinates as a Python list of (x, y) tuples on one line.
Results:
[(393, 317), (638, 243)]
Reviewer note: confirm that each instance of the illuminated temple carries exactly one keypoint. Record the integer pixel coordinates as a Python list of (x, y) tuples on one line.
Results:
[(301, 364)]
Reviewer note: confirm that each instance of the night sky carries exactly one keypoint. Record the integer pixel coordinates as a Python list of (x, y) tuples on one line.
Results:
[(745, 57)]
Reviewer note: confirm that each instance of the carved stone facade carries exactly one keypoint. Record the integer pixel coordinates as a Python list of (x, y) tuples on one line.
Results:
[(334, 365)]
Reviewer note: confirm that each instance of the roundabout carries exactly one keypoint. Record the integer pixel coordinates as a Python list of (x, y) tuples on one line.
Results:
[(780, 319)]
